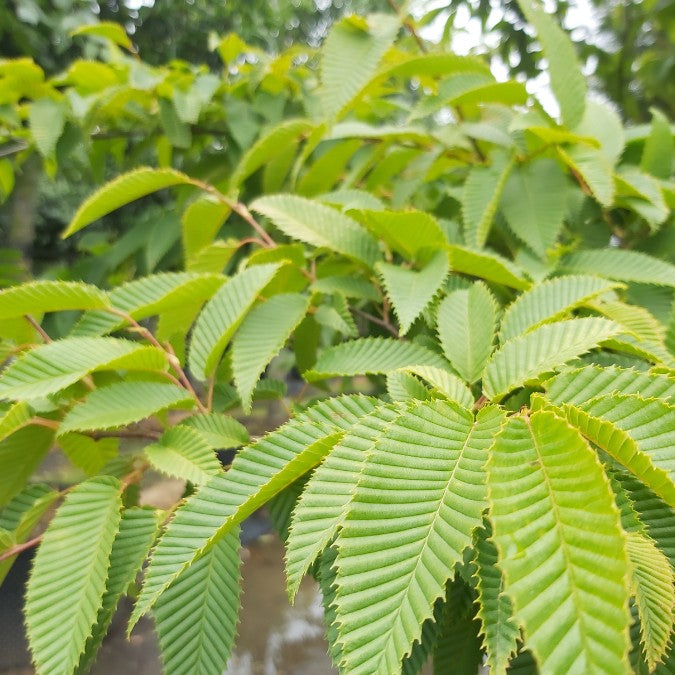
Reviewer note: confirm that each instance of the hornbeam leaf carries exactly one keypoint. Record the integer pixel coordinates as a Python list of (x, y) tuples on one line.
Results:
[(223, 314), (549, 301), (54, 366), (466, 326), (122, 190), (567, 80), (218, 430), (319, 225), (580, 385), (480, 197), (487, 265), (652, 581), (38, 297), (411, 292), (569, 593), (372, 356), (621, 265), (543, 349), (258, 472), (451, 386), (321, 509), (123, 403), (68, 579), (406, 530), (495, 610), (138, 528), (183, 453), (261, 336), (196, 617), (17, 417)]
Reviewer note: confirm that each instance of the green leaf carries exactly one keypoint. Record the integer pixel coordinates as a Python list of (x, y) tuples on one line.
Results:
[(223, 314), (326, 171), (371, 356), (466, 327), (480, 198), (642, 193), (404, 386), (200, 223), (218, 430), (495, 610), (657, 156), (20, 455), (261, 336), (350, 56), (147, 296), (534, 203), (650, 423), (258, 473), (196, 617), (52, 367), (348, 286), (321, 509), (652, 582), (549, 301), (594, 170), (138, 528), (68, 579), (406, 232), (637, 320), (123, 403), (445, 383), (318, 225), (16, 417), (268, 146), (183, 453), (547, 347), (416, 524), (583, 384), (601, 122), (38, 297), (177, 132), (487, 265), (411, 292), (123, 190), (47, 119), (88, 454), (566, 589), (567, 80), (106, 29)]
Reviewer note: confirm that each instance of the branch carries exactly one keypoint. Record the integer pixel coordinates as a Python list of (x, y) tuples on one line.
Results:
[(38, 328), (409, 25), (380, 322), (15, 550)]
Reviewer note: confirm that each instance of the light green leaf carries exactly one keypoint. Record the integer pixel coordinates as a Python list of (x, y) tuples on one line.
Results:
[(406, 232), (123, 403), (541, 473), (223, 314), (622, 265), (405, 531), (123, 190), (350, 56), (594, 169), (404, 386), (601, 121), (657, 156), (528, 356), (200, 223), (20, 455), (177, 131), (325, 172), (88, 454), (534, 202), (269, 146), (47, 119), (16, 417), (51, 367), (637, 320), (448, 384), (65, 592), (138, 528), (480, 198), (196, 617), (411, 292), (642, 193), (548, 301), (321, 509), (583, 384), (258, 473), (261, 336), (183, 453), (218, 430), (487, 265), (495, 610), (567, 81), (652, 582), (147, 296), (106, 29), (466, 327), (38, 297), (318, 225), (371, 356)]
